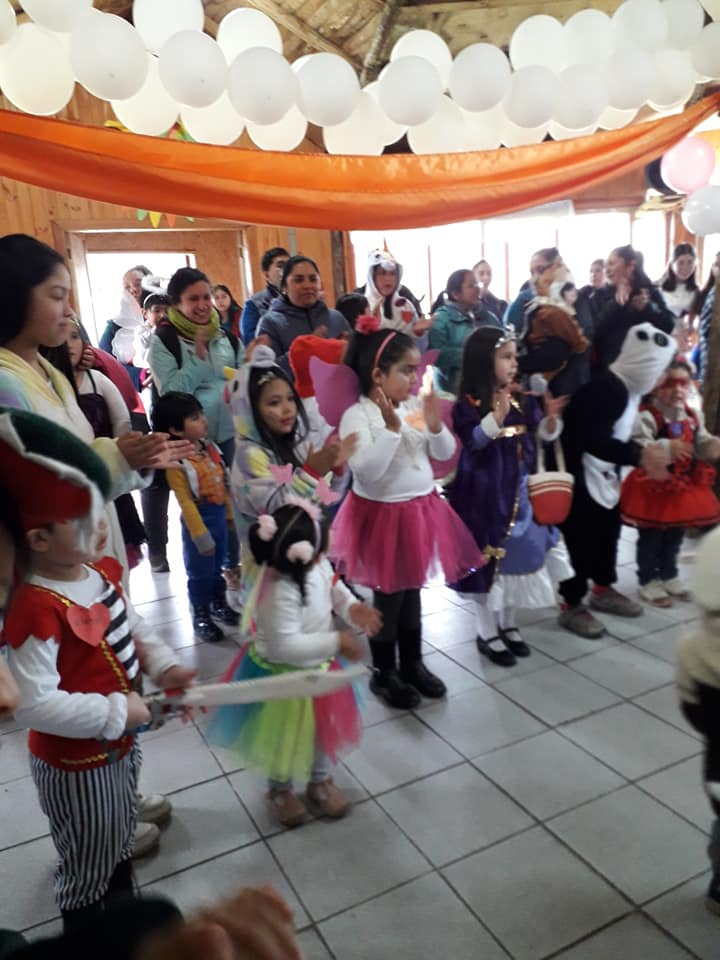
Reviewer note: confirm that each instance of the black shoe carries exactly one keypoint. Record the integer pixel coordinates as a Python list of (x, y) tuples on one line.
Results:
[(221, 611), (204, 627), (425, 682), (393, 690), (712, 897), (159, 564), (503, 658), (518, 647)]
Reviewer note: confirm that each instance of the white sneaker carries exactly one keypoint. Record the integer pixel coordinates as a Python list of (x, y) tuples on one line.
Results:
[(677, 589), (655, 594), (153, 808), (145, 839)]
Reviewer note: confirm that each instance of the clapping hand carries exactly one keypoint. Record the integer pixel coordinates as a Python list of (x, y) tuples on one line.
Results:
[(367, 618), (388, 411)]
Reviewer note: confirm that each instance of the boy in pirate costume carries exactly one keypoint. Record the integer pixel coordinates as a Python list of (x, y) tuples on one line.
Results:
[(76, 648)]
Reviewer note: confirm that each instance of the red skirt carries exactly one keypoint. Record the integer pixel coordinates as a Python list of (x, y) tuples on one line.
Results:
[(401, 546), (683, 501)]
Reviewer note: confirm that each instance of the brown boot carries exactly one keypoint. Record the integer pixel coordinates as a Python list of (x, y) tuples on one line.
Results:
[(287, 809), (327, 800)]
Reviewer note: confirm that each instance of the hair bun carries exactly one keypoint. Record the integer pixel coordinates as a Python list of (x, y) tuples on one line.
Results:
[(263, 357)]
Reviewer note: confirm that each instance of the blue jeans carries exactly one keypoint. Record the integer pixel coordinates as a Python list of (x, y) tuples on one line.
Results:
[(232, 554), (205, 579), (657, 553)]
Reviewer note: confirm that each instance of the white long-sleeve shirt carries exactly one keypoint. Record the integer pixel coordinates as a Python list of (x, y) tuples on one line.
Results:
[(393, 467), (34, 664), (302, 635)]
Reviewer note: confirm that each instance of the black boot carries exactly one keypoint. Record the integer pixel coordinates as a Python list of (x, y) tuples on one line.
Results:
[(388, 685), (221, 611), (75, 921), (204, 627), (412, 668)]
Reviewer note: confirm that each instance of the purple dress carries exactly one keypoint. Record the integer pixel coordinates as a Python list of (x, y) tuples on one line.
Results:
[(490, 494)]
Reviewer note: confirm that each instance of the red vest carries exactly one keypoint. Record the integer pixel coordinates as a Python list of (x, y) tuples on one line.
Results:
[(42, 613)]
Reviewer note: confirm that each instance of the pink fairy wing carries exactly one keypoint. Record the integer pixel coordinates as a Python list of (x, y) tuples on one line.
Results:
[(428, 359), (336, 388), (443, 468)]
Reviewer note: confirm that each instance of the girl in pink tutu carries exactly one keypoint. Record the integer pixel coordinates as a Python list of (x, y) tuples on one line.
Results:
[(394, 532), (294, 630)]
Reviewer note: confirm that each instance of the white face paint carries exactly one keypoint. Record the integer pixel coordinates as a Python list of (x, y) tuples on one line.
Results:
[(645, 353)]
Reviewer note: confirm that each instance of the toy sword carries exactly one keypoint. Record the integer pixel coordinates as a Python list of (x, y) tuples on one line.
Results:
[(282, 686)]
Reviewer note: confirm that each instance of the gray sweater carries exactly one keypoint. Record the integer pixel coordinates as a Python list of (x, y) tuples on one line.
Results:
[(284, 322)]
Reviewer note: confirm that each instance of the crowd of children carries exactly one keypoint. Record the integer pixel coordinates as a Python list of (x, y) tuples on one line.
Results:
[(368, 451)]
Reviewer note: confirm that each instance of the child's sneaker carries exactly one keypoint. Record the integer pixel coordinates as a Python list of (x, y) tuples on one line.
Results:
[(677, 589), (233, 578), (712, 897), (287, 809), (327, 799), (656, 594), (221, 611), (145, 839), (204, 627)]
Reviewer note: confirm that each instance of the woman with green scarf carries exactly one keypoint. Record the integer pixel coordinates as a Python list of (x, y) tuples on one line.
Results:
[(189, 355)]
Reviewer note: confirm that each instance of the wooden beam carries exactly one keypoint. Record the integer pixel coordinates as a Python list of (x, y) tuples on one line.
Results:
[(478, 6), (375, 55), (314, 39)]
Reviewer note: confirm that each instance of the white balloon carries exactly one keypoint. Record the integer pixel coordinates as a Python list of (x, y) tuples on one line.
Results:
[(329, 89), (8, 21), (702, 211), (245, 28), (674, 79), (643, 23), (685, 21), (444, 132), (558, 132), (284, 135), (631, 75), (705, 52), (483, 130), (35, 71), (532, 97), (514, 136), (539, 41), (108, 56), (582, 98), (612, 119), (429, 46), (479, 77), (390, 131), (262, 87), (193, 68), (220, 123), (361, 133), (409, 90), (58, 15), (590, 37), (152, 111), (158, 20), (300, 62)]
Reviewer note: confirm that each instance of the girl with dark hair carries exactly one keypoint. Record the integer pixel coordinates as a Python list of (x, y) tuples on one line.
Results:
[(294, 630), (678, 284), (394, 532), (523, 560), (229, 309), (629, 298), (189, 354), (457, 313), (389, 301), (299, 310)]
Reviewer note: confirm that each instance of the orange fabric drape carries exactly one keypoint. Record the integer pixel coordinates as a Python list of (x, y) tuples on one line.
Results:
[(314, 190)]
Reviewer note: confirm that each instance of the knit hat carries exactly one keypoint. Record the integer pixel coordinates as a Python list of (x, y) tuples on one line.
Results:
[(49, 473), (705, 574), (302, 350)]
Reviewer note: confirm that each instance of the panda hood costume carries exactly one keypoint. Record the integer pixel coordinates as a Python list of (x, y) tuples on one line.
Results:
[(598, 424)]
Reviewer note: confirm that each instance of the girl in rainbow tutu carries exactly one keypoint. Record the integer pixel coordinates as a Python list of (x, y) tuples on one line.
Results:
[(295, 599)]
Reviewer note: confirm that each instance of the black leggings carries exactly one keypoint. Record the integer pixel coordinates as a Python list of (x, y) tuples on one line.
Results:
[(401, 630)]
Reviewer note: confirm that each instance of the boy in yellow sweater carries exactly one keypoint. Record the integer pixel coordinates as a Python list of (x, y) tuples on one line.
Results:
[(200, 484)]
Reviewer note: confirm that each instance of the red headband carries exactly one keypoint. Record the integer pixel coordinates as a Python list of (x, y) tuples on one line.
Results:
[(382, 346)]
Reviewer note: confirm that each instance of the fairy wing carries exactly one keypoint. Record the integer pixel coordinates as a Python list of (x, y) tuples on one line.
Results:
[(336, 388), (443, 468)]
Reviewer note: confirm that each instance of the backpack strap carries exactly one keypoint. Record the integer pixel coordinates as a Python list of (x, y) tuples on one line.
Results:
[(170, 339)]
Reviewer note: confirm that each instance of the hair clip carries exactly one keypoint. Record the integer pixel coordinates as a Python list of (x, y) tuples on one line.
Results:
[(324, 494), (266, 527), (300, 552), (505, 338), (366, 323)]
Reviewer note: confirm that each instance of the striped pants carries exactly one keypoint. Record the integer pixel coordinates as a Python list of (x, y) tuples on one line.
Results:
[(92, 816)]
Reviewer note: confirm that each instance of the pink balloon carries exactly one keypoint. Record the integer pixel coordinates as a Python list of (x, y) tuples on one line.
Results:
[(689, 165)]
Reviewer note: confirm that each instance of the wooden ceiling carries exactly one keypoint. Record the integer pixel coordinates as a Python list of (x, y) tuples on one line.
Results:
[(364, 31)]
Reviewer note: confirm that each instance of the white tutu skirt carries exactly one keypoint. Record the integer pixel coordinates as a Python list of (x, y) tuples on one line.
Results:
[(530, 591)]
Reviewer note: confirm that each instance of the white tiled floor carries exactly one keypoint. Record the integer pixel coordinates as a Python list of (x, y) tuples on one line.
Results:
[(554, 810)]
